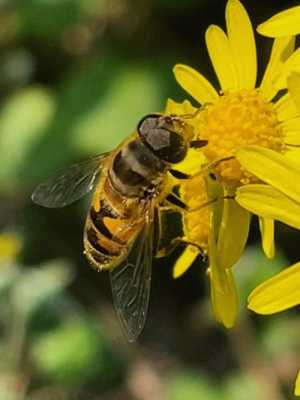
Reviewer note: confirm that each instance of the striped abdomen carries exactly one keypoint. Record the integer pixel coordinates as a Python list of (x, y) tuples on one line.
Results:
[(107, 237), (115, 217)]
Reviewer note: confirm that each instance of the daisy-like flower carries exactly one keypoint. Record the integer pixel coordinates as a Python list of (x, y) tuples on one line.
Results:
[(243, 121), (252, 140)]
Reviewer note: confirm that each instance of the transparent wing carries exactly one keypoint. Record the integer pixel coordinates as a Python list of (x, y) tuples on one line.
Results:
[(69, 185), (131, 281)]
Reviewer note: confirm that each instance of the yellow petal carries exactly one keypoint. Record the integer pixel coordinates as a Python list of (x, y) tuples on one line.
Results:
[(290, 65), (215, 194), (233, 234), (242, 43), (278, 293), (294, 155), (192, 163), (291, 131), (223, 291), (184, 261), (293, 83), (284, 23), (221, 57), (266, 226), (292, 138), (172, 107), (225, 303), (273, 168), (195, 84), (267, 202), (286, 108), (297, 385), (281, 50)]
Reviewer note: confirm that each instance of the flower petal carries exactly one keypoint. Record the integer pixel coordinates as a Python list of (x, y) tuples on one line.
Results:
[(225, 303), (281, 50), (297, 385), (221, 57), (266, 226), (284, 23), (215, 194), (278, 293), (291, 64), (242, 43), (291, 131), (192, 163), (223, 291), (293, 84), (267, 202), (286, 108), (272, 168), (233, 233), (184, 261), (195, 84), (172, 107)]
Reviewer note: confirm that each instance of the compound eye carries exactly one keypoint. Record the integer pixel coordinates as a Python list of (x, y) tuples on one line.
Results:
[(170, 146), (156, 132), (159, 139), (147, 124)]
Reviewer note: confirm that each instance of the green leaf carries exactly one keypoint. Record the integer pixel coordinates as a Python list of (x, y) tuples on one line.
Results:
[(23, 119), (75, 353), (37, 285), (254, 268), (115, 116), (280, 336), (47, 19)]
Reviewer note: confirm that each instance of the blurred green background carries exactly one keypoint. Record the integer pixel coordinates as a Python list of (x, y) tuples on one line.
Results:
[(75, 77)]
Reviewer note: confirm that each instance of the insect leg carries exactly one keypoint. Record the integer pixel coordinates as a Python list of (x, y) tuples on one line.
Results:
[(174, 244), (175, 202), (204, 170), (180, 175)]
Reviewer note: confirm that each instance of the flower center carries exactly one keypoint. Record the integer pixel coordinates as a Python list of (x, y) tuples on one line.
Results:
[(238, 119)]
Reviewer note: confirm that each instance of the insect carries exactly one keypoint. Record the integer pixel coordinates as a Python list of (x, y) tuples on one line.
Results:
[(131, 183)]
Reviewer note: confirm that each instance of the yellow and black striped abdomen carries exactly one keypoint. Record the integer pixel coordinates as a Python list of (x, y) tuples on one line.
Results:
[(110, 227)]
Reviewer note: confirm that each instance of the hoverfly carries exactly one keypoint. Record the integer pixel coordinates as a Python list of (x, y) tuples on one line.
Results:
[(131, 183)]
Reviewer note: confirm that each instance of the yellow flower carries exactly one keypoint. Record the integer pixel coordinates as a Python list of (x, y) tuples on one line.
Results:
[(9, 247), (245, 123), (251, 137)]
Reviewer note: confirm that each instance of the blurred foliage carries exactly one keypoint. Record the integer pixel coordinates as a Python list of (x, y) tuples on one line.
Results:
[(191, 386), (76, 353), (75, 77)]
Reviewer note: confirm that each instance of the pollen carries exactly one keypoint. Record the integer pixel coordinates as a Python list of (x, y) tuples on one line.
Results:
[(237, 119), (196, 223)]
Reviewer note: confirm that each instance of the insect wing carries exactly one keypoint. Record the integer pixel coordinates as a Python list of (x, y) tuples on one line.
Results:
[(69, 185), (131, 282)]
